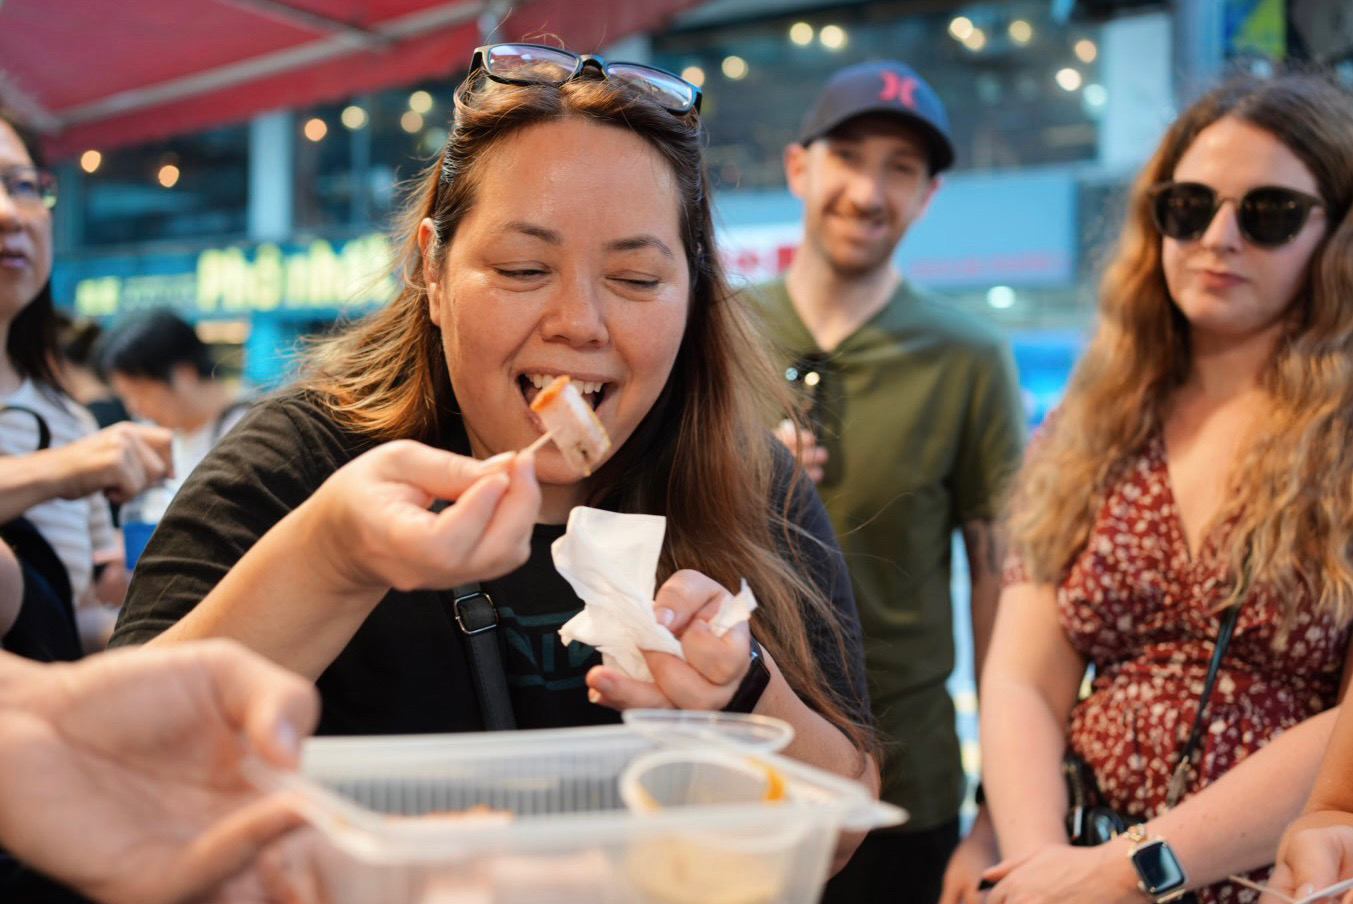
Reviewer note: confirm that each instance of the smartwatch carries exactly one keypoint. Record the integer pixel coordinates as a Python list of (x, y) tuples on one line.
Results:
[(753, 683), (1160, 875)]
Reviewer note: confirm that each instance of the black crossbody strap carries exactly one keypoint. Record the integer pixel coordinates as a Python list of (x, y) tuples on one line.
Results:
[(1181, 769), (44, 431), (477, 618)]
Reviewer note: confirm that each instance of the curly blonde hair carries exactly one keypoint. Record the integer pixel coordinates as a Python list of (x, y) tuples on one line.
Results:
[(1292, 512)]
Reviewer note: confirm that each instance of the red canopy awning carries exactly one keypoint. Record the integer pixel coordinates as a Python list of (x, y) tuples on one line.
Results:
[(104, 73)]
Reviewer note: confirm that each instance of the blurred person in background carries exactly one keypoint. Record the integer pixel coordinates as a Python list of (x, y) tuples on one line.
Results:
[(165, 374), (55, 465), (76, 341), (1198, 470), (915, 422)]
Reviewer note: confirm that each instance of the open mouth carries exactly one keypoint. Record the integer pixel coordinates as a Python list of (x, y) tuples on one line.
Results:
[(593, 393)]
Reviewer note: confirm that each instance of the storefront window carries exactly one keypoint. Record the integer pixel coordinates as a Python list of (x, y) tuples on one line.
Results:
[(184, 188), (325, 188), (410, 127), (353, 157)]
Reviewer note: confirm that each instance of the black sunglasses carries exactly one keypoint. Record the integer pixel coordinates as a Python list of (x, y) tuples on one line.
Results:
[(1268, 216), (537, 64)]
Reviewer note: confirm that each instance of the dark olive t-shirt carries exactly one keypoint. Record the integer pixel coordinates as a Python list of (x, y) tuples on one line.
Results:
[(919, 411), (404, 671)]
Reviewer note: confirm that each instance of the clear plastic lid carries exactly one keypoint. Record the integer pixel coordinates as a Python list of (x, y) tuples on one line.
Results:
[(678, 728)]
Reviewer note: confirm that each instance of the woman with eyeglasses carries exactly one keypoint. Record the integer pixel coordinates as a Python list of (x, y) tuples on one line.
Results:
[(55, 466), (1200, 458), (565, 229)]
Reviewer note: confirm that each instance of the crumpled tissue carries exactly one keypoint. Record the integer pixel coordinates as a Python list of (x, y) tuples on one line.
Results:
[(611, 560)]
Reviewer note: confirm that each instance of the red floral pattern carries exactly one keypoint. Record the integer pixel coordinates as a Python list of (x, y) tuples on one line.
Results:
[(1142, 610)]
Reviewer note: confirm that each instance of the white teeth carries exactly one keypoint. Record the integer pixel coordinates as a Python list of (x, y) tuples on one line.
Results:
[(540, 381)]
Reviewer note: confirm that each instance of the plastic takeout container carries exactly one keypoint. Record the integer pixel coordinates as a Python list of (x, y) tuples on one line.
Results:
[(695, 728), (552, 816)]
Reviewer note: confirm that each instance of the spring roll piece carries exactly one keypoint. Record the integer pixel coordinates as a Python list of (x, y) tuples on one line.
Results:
[(572, 425)]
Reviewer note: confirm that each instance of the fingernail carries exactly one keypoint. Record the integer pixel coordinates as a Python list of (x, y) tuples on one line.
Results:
[(665, 616), (287, 738), (593, 696), (1307, 889)]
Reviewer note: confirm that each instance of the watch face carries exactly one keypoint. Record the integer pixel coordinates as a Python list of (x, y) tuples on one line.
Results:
[(1158, 868)]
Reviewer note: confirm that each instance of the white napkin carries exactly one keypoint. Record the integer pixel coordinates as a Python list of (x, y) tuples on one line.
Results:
[(611, 560)]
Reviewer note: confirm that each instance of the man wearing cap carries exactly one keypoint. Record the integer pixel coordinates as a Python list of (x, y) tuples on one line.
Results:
[(916, 425)]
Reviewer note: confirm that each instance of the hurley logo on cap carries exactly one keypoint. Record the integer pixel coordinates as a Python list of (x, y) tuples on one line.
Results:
[(884, 87), (899, 89)]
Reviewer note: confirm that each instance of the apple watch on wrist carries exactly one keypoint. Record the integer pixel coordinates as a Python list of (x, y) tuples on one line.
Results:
[(753, 683), (1160, 875)]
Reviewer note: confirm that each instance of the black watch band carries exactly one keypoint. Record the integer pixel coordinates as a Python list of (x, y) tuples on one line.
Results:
[(753, 683)]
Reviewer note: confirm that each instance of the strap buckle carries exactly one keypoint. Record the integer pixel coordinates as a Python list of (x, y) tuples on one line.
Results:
[(475, 612)]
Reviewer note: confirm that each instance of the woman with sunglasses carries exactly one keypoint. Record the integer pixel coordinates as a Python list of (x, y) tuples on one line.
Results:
[(53, 463), (564, 230), (1200, 458)]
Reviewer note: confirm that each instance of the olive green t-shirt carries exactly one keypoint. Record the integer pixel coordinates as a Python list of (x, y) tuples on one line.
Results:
[(919, 411)]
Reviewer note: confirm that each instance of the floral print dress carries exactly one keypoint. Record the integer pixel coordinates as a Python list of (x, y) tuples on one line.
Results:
[(1143, 610)]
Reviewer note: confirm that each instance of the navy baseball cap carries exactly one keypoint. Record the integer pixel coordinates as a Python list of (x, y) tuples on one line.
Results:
[(885, 87)]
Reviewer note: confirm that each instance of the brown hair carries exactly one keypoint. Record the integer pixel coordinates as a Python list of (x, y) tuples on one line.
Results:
[(701, 456), (1291, 515)]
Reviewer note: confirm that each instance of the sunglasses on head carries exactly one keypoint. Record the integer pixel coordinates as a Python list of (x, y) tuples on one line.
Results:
[(537, 64), (1268, 216)]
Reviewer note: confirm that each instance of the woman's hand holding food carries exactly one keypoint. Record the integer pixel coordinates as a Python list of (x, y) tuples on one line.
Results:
[(376, 526), (370, 527), (714, 665)]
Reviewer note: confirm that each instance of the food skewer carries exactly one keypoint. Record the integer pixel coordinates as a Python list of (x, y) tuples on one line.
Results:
[(571, 424)]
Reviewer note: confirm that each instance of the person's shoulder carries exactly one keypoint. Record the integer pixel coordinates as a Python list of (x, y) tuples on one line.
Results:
[(287, 441), (768, 296), (66, 418), (42, 397), (302, 417), (945, 321), (297, 404)]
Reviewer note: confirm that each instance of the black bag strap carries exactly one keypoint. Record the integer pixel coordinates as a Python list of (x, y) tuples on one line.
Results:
[(1181, 769), (477, 618), (45, 629), (44, 431)]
